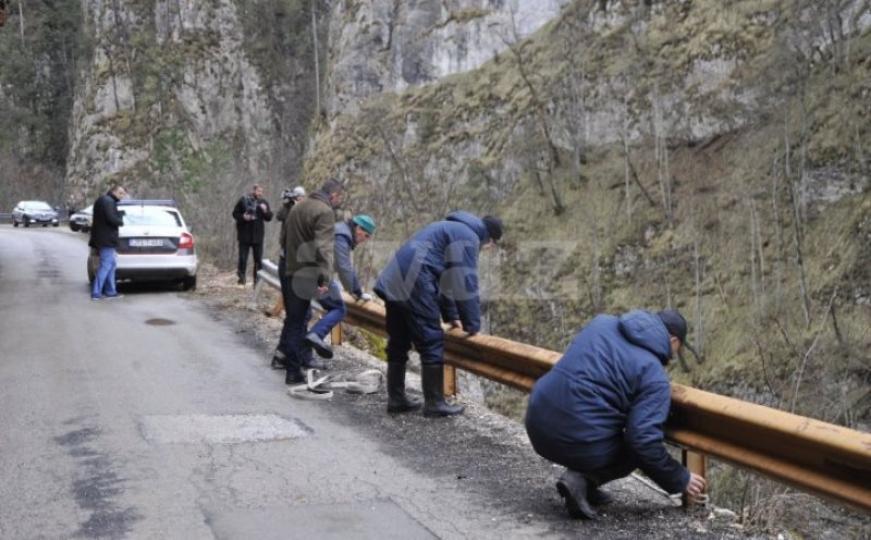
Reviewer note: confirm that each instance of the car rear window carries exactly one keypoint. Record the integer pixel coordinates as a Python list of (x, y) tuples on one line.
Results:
[(152, 217)]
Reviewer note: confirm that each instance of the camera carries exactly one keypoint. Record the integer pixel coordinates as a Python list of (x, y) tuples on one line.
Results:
[(250, 204)]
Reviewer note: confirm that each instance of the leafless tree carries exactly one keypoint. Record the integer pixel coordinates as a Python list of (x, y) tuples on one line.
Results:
[(316, 50), (663, 171), (21, 21), (553, 162)]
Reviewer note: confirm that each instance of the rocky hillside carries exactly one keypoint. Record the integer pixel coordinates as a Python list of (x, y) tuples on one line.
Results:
[(707, 156), (191, 99), (644, 154)]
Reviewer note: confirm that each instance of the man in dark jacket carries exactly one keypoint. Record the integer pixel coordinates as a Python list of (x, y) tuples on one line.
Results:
[(600, 411), (348, 235), (308, 252), (250, 213), (104, 240), (433, 274), (288, 198)]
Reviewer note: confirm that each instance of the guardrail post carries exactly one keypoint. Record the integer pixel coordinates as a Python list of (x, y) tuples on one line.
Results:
[(695, 463), (277, 308), (336, 335), (450, 386)]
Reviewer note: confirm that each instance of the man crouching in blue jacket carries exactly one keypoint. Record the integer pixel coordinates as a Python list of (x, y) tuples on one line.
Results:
[(600, 411), (433, 276)]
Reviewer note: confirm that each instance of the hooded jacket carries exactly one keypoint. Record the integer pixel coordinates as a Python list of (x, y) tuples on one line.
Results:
[(106, 221), (609, 391), (436, 271)]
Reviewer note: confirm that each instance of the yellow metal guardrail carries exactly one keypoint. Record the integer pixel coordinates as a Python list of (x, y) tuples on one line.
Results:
[(814, 456)]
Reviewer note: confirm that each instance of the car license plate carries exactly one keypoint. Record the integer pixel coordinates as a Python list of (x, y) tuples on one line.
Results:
[(146, 242)]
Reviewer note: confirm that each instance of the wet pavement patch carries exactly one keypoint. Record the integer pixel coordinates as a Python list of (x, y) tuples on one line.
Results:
[(382, 519), (96, 487), (223, 429), (160, 322)]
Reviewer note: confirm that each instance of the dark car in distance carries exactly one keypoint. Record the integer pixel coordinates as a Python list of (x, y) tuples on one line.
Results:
[(29, 213)]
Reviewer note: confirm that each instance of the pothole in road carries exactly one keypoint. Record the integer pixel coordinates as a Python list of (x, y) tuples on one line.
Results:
[(221, 429), (160, 322)]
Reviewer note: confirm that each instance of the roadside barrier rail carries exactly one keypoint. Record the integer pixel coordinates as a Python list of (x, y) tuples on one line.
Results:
[(811, 455)]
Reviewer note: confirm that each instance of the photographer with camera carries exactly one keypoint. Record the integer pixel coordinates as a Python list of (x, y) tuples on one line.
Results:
[(250, 213), (289, 197)]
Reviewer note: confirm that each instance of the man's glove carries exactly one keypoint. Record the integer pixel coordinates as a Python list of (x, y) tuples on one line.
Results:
[(364, 297)]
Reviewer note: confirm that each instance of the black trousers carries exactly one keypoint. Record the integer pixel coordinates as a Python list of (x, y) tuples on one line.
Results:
[(406, 327), (243, 258), (600, 462)]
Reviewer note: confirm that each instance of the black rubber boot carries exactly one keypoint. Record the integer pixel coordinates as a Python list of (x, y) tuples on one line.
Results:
[(595, 495), (433, 380), (572, 487), (397, 401)]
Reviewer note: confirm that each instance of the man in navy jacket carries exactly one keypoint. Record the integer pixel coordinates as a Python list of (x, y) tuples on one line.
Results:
[(600, 411), (433, 276)]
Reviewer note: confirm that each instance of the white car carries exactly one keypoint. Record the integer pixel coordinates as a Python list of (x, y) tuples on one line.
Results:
[(81, 220), (154, 244)]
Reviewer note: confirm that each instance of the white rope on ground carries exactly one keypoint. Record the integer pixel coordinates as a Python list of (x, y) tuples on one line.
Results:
[(321, 389)]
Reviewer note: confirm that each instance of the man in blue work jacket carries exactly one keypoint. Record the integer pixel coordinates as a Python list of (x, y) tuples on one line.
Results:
[(600, 411), (433, 276), (348, 235)]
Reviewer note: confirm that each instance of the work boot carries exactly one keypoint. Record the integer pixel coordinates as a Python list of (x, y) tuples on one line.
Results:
[(278, 360), (596, 496), (294, 375), (572, 487), (319, 345), (397, 401), (433, 380)]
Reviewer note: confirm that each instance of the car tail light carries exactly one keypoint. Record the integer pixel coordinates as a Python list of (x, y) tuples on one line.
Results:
[(186, 241)]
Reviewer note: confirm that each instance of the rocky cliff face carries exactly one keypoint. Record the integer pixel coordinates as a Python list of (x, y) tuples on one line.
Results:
[(167, 81), (390, 45)]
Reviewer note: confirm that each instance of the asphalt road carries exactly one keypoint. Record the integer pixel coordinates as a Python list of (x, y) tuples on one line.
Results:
[(151, 416)]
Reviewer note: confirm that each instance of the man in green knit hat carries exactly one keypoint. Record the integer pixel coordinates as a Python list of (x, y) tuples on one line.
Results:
[(348, 235)]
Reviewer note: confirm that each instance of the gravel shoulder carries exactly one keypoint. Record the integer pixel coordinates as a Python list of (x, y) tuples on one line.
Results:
[(484, 453)]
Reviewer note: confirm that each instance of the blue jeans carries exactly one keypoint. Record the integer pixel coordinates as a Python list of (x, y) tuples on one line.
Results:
[(297, 314), (335, 310), (104, 281)]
